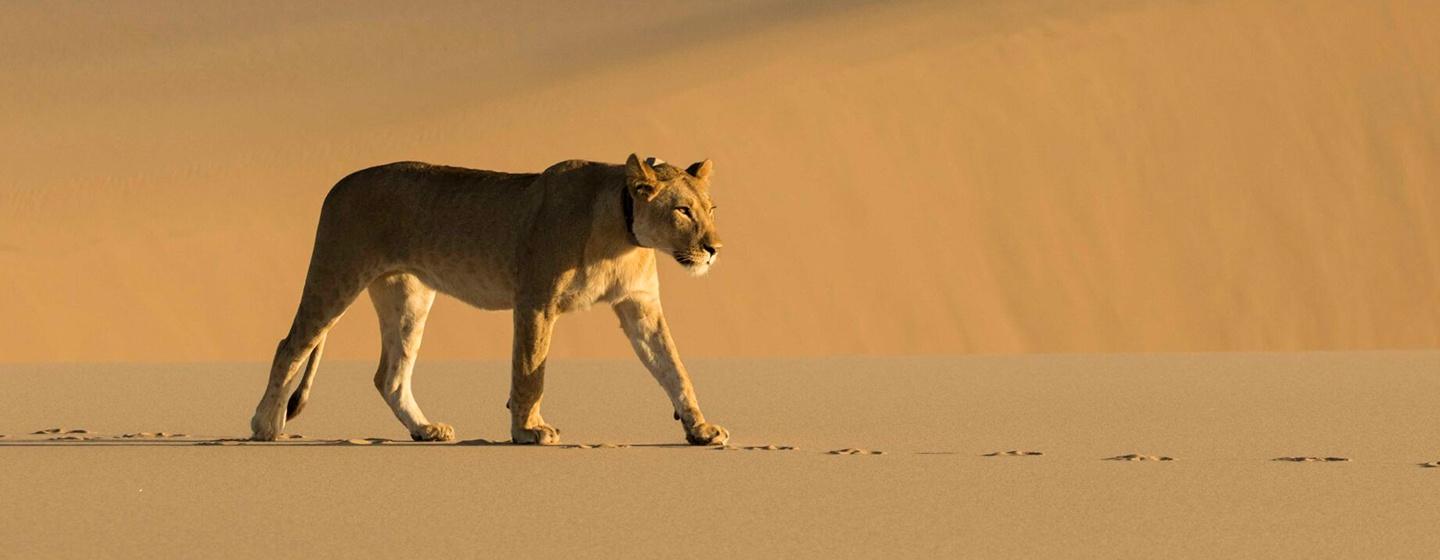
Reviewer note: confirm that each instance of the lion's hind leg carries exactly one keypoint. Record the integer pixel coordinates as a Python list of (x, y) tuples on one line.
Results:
[(402, 302), (325, 299)]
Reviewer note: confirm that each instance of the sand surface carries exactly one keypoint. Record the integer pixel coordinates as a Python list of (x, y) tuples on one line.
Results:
[(932, 492), (898, 177)]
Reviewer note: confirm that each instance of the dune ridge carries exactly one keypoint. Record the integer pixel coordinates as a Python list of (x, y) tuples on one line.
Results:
[(915, 177)]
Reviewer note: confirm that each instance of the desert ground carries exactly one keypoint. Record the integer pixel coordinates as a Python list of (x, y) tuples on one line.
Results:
[(931, 492), (1076, 230)]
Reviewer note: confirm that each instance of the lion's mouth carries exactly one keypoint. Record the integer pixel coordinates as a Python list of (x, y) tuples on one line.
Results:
[(695, 264)]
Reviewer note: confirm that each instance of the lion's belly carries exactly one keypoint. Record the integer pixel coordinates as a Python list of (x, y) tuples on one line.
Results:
[(475, 284), (479, 295)]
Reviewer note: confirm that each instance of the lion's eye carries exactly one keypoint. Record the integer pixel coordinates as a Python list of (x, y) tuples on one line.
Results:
[(684, 211)]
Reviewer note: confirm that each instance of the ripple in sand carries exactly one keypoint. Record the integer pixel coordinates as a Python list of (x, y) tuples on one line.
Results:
[(1312, 459), (366, 441), (1014, 453), (854, 451), (46, 431), (1139, 457), (771, 447), (1431, 465)]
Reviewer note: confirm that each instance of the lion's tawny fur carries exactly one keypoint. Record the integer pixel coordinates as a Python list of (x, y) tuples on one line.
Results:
[(540, 244)]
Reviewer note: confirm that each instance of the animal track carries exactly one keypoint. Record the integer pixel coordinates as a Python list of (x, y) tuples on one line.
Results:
[(854, 451), (152, 435), (1312, 459), (1138, 457), (598, 446), (62, 434)]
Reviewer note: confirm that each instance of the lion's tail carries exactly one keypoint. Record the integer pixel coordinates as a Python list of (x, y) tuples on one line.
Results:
[(302, 393)]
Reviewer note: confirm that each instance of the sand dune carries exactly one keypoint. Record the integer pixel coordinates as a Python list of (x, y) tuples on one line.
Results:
[(899, 178)]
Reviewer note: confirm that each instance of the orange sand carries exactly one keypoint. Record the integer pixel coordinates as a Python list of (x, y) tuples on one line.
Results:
[(1224, 418), (936, 177)]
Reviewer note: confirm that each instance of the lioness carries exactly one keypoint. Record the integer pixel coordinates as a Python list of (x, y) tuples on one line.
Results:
[(541, 244)]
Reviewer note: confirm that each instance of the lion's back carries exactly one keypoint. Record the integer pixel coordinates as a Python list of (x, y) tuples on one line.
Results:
[(414, 178), (410, 210), (407, 209)]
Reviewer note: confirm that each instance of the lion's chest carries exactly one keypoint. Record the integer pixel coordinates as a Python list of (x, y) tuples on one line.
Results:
[(585, 288), (604, 282)]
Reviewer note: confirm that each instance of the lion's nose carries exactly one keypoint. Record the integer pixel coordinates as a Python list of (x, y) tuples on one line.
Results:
[(712, 249)]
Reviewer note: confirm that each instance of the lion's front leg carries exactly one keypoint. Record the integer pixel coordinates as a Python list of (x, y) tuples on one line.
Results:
[(644, 324), (533, 327)]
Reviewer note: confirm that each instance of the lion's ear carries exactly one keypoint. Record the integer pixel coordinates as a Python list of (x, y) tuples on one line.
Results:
[(642, 179), (638, 171), (701, 169)]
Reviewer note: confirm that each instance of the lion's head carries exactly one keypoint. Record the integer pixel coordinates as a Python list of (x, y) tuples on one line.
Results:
[(673, 211)]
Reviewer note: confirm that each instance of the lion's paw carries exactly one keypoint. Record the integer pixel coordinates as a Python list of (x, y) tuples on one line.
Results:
[(265, 427), (707, 434), (263, 431), (538, 435), (434, 432)]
